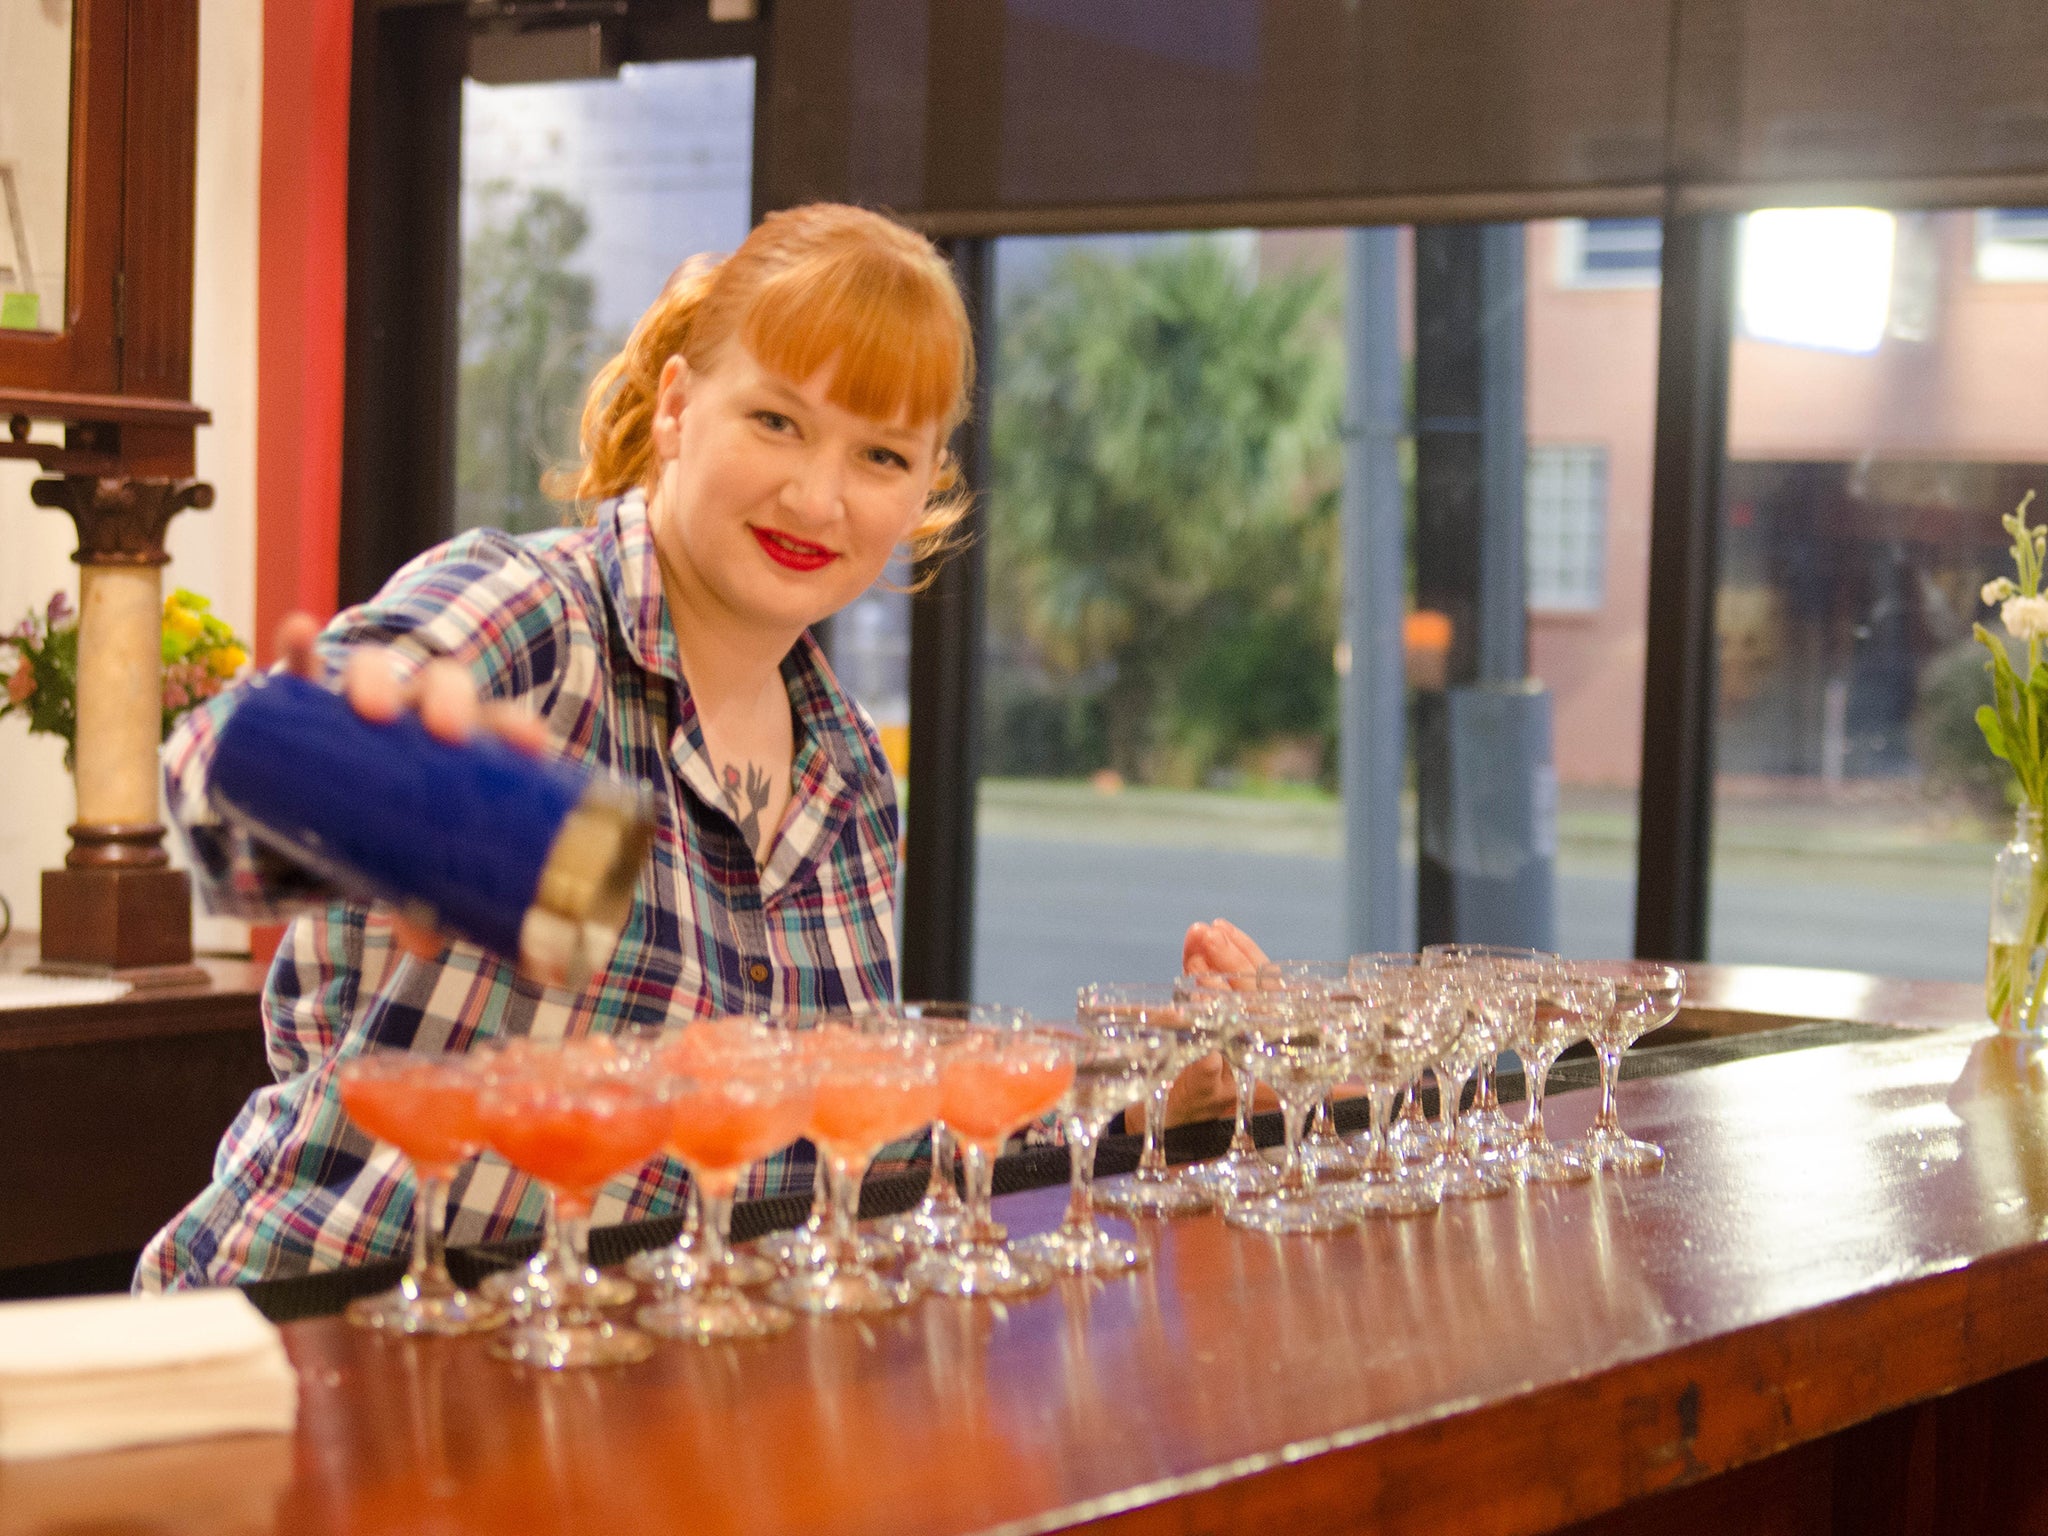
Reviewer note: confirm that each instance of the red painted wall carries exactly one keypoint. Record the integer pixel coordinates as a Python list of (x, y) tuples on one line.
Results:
[(301, 298)]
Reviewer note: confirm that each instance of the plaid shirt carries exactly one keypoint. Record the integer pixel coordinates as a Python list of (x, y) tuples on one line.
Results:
[(573, 624)]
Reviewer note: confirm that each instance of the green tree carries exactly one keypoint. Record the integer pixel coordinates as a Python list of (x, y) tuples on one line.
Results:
[(1167, 475), (527, 351)]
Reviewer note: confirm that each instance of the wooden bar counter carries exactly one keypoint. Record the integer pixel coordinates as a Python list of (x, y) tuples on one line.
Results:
[(1825, 1316)]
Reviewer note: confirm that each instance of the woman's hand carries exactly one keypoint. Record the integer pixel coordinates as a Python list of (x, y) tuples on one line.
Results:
[(1205, 1090), (445, 696)]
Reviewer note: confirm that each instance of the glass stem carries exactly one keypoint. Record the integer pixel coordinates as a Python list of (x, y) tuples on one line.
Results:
[(693, 1216), (1411, 1101), (821, 1194), (1484, 1099), (1152, 1162), (1537, 1068), (717, 1224), (846, 1182), (1610, 1071), (1080, 1215), (428, 1275), (1450, 1090), (1294, 1175), (1382, 1163), (939, 1190), (1241, 1139), (982, 1230), (1324, 1126)]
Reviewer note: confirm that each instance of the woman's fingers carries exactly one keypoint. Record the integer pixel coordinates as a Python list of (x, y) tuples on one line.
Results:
[(370, 684), (416, 939), (517, 725), (447, 701), (1232, 949), (295, 636)]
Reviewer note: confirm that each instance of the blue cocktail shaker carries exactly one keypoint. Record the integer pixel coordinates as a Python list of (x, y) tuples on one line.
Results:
[(532, 857)]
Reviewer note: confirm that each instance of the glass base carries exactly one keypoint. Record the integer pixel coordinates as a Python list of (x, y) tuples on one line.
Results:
[(1234, 1173), (1467, 1178), (837, 1288), (1414, 1141), (929, 1224), (1285, 1214), (802, 1248), (514, 1288), (1073, 1252), (710, 1315), (988, 1270), (673, 1265), (1329, 1158), (1408, 1195), (1547, 1163), (1489, 1133), (573, 1346), (444, 1314), (1620, 1153), (1139, 1196)]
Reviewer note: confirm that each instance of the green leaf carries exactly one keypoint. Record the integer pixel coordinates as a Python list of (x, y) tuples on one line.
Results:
[(1994, 734)]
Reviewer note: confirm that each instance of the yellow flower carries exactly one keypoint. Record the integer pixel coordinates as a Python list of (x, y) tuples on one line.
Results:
[(184, 624), (227, 661)]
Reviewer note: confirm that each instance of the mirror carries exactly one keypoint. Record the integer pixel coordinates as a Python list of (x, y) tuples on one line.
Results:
[(35, 161)]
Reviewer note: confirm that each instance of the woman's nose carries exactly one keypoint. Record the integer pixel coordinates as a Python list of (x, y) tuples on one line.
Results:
[(814, 488)]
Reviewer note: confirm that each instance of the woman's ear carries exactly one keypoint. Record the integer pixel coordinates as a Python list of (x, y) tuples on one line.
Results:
[(671, 396), (947, 475)]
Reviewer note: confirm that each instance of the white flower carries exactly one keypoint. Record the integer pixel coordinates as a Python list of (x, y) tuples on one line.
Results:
[(2025, 618), (1996, 592)]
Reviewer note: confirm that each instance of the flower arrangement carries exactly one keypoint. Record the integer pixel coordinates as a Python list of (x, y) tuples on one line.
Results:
[(2015, 727), (201, 655)]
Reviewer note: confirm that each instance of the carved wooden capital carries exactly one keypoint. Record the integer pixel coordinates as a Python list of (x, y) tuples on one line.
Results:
[(121, 521)]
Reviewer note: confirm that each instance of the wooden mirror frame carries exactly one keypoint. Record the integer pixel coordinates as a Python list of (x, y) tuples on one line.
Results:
[(119, 374)]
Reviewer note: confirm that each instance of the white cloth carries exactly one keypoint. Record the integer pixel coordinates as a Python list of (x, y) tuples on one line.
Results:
[(96, 1372), (58, 991)]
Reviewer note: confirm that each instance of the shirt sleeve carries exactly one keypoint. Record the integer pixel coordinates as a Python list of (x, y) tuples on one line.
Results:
[(484, 601)]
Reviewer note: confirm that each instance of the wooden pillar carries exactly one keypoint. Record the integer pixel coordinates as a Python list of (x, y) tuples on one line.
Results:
[(117, 906)]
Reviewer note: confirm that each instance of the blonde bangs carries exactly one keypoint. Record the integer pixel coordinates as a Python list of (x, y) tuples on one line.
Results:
[(892, 332)]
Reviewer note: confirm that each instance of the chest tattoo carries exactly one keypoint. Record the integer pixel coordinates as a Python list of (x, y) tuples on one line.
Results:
[(747, 799)]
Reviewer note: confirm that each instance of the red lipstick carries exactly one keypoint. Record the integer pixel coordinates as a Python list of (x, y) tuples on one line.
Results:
[(793, 553)]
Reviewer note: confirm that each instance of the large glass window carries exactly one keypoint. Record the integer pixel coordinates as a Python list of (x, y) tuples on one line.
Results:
[(35, 163), (579, 198), (1166, 594), (1886, 409)]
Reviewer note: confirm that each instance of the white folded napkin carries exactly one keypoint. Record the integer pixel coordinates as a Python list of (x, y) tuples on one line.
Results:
[(95, 1372)]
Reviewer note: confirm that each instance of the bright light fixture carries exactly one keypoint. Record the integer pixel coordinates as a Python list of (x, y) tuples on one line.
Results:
[(1817, 277)]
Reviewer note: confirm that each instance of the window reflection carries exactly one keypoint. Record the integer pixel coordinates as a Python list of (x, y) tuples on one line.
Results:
[(35, 162)]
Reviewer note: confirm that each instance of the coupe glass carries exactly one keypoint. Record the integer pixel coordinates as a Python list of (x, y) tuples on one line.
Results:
[(681, 1264), (936, 1220), (1321, 1147), (1114, 1065), (1188, 1034), (726, 1112), (1300, 1052), (876, 1083), (992, 1083), (1243, 1169), (425, 1106), (1394, 1029), (1569, 999), (571, 1117), (1646, 997), (1410, 1136), (1489, 1131), (1469, 1037)]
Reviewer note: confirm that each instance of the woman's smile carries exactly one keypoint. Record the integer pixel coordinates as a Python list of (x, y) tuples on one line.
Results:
[(786, 549)]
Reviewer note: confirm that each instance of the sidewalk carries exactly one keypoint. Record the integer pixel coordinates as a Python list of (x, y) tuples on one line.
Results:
[(1880, 835)]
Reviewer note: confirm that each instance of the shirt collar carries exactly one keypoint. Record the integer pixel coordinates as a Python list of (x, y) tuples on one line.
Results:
[(823, 713)]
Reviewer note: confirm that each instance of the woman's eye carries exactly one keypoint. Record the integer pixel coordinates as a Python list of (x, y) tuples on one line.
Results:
[(774, 421), (889, 458)]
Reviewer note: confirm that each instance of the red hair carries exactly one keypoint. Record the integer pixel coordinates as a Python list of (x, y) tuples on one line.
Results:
[(824, 283)]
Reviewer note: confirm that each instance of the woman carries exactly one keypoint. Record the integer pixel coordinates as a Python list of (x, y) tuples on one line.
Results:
[(773, 431)]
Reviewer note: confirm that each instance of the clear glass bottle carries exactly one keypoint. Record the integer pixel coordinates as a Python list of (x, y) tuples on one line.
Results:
[(2013, 968)]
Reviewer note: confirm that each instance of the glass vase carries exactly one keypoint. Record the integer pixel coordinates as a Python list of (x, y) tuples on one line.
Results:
[(2015, 976)]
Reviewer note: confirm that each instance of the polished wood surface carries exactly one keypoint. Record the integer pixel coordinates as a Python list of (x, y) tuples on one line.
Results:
[(1842, 1233)]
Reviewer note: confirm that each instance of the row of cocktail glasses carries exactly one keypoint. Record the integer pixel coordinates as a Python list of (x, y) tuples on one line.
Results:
[(721, 1095), (718, 1096), (1378, 1023)]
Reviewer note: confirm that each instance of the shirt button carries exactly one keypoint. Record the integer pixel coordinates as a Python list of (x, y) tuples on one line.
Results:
[(757, 971)]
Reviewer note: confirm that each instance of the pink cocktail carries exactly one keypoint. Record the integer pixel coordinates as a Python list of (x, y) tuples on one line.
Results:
[(737, 1109), (572, 1118), (425, 1106), (875, 1083), (991, 1085)]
